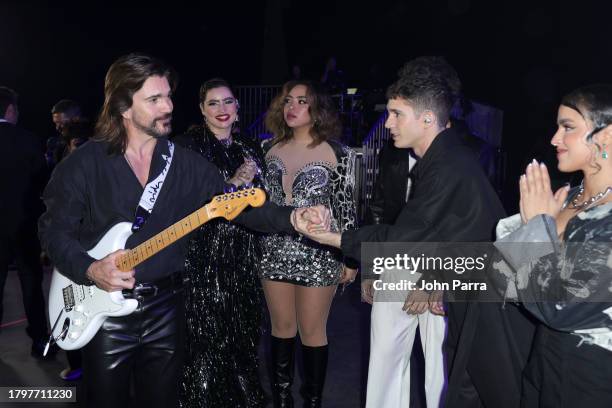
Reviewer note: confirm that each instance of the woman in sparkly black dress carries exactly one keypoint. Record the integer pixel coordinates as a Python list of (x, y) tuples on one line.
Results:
[(305, 167), (223, 309)]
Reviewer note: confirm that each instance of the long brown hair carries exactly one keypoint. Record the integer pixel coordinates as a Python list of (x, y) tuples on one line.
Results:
[(326, 124), (123, 79)]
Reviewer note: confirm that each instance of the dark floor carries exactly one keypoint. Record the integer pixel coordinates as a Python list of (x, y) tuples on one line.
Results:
[(348, 329)]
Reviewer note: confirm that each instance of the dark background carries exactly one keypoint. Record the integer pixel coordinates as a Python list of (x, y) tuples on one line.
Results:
[(516, 55)]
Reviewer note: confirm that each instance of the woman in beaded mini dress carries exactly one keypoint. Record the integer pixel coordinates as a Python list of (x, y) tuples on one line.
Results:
[(305, 167)]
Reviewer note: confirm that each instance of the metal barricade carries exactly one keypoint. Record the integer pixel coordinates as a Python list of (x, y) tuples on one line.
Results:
[(368, 169), (254, 101)]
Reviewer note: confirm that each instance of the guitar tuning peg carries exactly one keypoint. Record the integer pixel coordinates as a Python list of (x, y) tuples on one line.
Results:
[(229, 189)]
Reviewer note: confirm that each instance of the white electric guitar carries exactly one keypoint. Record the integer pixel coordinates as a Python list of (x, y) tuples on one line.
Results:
[(78, 311)]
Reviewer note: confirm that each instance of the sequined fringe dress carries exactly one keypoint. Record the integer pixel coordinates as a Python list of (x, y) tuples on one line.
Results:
[(223, 299)]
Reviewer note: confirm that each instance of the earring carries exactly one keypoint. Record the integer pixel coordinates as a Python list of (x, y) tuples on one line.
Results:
[(427, 120), (604, 154)]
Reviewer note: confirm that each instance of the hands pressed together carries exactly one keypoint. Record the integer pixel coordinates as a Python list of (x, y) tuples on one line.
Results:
[(245, 173), (536, 193), (419, 301)]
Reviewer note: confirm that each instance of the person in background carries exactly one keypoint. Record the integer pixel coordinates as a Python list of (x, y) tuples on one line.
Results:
[(74, 133), (63, 113), (22, 177), (333, 78)]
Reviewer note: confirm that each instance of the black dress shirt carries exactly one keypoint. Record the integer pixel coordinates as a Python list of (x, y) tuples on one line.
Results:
[(92, 190)]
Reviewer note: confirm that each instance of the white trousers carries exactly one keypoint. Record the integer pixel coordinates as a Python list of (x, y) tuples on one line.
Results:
[(391, 339)]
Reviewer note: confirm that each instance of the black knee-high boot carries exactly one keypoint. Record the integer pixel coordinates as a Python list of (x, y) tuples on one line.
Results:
[(315, 367), (282, 351)]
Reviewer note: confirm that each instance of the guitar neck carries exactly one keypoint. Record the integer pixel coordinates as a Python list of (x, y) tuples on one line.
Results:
[(162, 240)]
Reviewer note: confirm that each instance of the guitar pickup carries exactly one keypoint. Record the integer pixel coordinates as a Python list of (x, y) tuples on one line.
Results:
[(68, 294), (79, 293)]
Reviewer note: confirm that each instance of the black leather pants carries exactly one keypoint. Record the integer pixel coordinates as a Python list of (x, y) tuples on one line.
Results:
[(146, 347)]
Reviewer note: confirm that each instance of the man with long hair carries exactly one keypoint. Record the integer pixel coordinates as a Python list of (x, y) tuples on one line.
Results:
[(100, 184)]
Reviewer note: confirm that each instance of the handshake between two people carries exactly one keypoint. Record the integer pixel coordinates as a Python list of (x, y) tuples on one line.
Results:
[(315, 223)]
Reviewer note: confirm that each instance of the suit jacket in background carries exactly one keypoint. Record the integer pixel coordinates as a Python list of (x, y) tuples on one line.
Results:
[(391, 186), (22, 178)]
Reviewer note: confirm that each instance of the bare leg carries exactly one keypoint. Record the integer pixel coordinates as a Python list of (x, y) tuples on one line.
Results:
[(312, 305), (280, 297)]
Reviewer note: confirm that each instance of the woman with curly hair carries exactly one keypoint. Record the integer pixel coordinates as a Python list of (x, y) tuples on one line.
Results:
[(222, 301), (305, 167)]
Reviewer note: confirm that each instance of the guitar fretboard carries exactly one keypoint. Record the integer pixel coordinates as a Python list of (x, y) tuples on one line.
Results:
[(226, 205), (161, 240)]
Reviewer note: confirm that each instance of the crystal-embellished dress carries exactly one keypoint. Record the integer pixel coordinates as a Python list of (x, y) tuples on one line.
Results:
[(223, 299), (299, 260)]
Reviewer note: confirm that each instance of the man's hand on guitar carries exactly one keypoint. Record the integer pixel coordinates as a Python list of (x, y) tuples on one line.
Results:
[(106, 276)]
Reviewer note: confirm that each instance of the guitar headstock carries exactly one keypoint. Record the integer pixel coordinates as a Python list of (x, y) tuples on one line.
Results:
[(230, 205)]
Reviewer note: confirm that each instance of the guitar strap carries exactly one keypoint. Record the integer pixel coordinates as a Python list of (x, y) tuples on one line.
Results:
[(151, 192)]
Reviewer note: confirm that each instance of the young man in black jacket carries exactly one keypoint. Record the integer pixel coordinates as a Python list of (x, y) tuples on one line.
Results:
[(452, 201)]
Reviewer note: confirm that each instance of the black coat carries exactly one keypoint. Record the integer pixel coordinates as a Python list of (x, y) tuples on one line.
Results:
[(22, 177), (453, 201)]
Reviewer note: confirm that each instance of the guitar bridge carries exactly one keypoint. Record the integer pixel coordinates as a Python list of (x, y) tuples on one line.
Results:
[(68, 298)]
